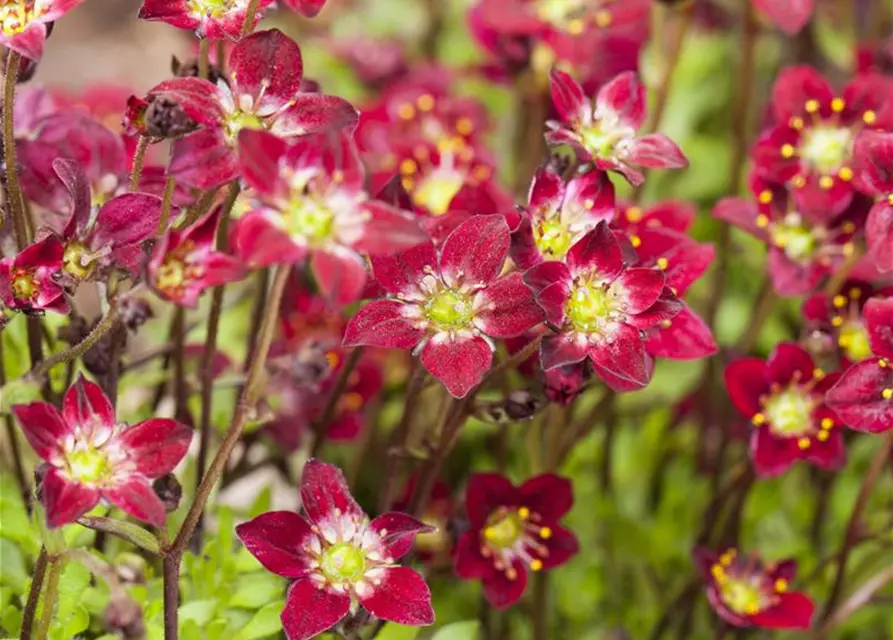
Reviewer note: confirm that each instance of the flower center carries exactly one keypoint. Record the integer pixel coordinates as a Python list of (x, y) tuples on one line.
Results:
[(238, 120), (310, 219), (826, 148), (77, 261), (88, 466), (790, 412), (449, 310), (210, 8), (436, 191), (853, 339), (552, 238), (743, 596), (591, 307), (14, 17), (504, 531), (561, 13), (794, 238), (24, 286), (343, 563)]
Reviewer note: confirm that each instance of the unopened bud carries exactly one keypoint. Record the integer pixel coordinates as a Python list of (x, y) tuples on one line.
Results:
[(123, 616), (134, 312), (165, 118), (169, 491)]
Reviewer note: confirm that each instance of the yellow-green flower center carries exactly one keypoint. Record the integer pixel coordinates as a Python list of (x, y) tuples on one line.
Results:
[(552, 238), (310, 219), (234, 122), (16, 15), (790, 412), (504, 531), (853, 339), (449, 310), (600, 140), (794, 238), (343, 563), (210, 8), (559, 12), (826, 149), (436, 191), (88, 466), (77, 261), (742, 596), (24, 286), (590, 308)]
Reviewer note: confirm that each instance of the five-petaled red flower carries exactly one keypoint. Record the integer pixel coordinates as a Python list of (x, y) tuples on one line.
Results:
[(599, 308), (784, 397), (603, 131), (311, 203), (93, 457), (874, 173), (212, 19), (863, 397), (28, 280), (745, 592), (184, 263), (448, 305), (513, 529), (338, 559), (265, 73), (23, 24)]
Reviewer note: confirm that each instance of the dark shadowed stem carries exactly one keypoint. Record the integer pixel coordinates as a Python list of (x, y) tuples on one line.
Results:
[(204, 58), (35, 342), (824, 481), (54, 572), (207, 360), (851, 535), (400, 434), (179, 362), (671, 56), (321, 426), (249, 17), (740, 480), (436, 10), (529, 137), (860, 598), (762, 309), (14, 198), (166, 202), (139, 159), (119, 339), (244, 410), (40, 570), (76, 351), (540, 611)]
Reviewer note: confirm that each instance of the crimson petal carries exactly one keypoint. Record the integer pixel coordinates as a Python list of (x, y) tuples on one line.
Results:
[(86, 406), (549, 495), (623, 356), (508, 308), (401, 596), (878, 313), (66, 501), (310, 610), (459, 364), (502, 592), (476, 250), (624, 96), (266, 66), (276, 539), (325, 495), (858, 397), (43, 426), (597, 251), (340, 275), (381, 323), (789, 362), (136, 497), (401, 272), (485, 493), (398, 531), (793, 611), (568, 97), (746, 382), (155, 446), (312, 113)]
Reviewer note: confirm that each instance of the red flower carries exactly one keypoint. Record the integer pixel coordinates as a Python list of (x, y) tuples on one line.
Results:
[(790, 15), (863, 397), (449, 305), (805, 244), (338, 560), (599, 307), (212, 19), (604, 132), (23, 24), (747, 593), (559, 213), (811, 146), (784, 397), (264, 93), (93, 457), (28, 280), (307, 8), (512, 529), (184, 263), (874, 173), (113, 237), (312, 203)]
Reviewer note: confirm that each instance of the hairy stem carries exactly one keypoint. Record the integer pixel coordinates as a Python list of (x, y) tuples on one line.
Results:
[(248, 25), (14, 197), (179, 362), (166, 202), (54, 572), (204, 58), (75, 351), (139, 159), (40, 570)]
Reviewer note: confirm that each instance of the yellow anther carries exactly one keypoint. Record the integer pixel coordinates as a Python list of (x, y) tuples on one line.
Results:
[(839, 301), (827, 423), (727, 558), (603, 18), (804, 443), (798, 181), (848, 227), (464, 126), (425, 102), (762, 221), (636, 241), (481, 173), (823, 435), (665, 324), (545, 533), (869, 117), (818, 373), (765, 196), (811, 106), (408, 166), (886, 394), (838, 105), (796, 122), (634, 214), (662, 264), (826, 182), (787, 150), (752, 609), (523, 513), (758, 420), (536, 565), (406, 111), (883, 364), (845, 174), (576, 26), (836, 321)]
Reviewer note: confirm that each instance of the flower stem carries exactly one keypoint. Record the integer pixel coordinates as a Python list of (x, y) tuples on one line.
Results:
[(540, 612), (104, 326), (207, 362), (14, 197), (40, 570), (139, 159), (204, 58), (860, 597), (851, 534), (179, 362), (765, 303), (250, 14), (171, 576), (54, 572), (321, 426), (166, 202)]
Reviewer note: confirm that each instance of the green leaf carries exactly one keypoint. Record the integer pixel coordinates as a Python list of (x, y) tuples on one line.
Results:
[(126, 530), (11, 620), (394, 631), (14, 573), (264, 623), (18, 392), (200, 611), (466, 630), (262, 503), (256, 590)]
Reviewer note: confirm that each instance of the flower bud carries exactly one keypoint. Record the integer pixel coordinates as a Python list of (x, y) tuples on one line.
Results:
[(134, 312), (168, 489), (124, 617), (164, 118)]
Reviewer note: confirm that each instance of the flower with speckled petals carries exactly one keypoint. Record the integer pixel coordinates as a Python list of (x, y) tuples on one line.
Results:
[(93, 457), (28, 279), (810, 147), (448, 305), (604, 130), (310, 203), (513, 530), (24, 24), (212, 19), (873, 159), (863, 397), (745, 592), (789, 15), (338, 559), (599, 308), (262, 93), (784, 398)]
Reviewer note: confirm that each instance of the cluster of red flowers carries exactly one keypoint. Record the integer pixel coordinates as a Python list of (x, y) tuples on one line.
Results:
[(401, 236)]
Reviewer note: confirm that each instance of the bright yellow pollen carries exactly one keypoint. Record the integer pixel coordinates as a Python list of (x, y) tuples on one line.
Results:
[(798, 181), (886, 394), (827, 423), (823, 436), (845, 174), (796, 122), (406, 111), (781, 585), (818, 374), (663, 263), (523, 513), (838, 105), (575, 27), (869, 117), (408, 166), (762, 221), (636, 241), (787, 151), (545, 533), (883, 364), (634, 214), (839, 301), (826, 182), (758, 420), (464, 126), (603, 18), (804, 443), (536, 565), (811, 106), (765, 196), (425, 102)]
